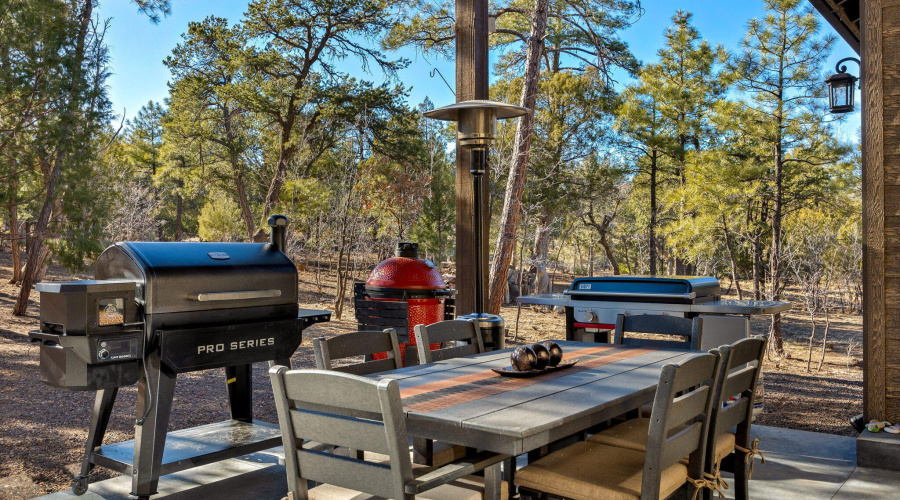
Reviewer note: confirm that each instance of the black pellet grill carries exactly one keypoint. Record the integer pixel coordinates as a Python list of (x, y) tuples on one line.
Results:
[(159, 309)]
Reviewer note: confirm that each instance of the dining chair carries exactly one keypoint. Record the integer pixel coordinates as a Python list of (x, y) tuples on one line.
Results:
[(450, 331), (678, 427), (742, 364), (453, 331), (733, 401), (687, 328), (346, 410), (353, 344)]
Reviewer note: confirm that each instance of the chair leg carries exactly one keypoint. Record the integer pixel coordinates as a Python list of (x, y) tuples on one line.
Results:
[(741, 480)]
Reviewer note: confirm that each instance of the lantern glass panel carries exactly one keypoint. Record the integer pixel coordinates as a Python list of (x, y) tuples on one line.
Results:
[(840, 95)]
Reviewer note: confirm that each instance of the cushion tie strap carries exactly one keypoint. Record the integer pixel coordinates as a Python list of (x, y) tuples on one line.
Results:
[(750, 455), (708, 481), (717, 475)]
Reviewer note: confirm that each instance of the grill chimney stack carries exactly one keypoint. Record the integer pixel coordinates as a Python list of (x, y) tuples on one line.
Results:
[(278, 223)]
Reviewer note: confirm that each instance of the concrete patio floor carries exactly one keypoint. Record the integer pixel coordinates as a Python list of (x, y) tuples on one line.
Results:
[(799, 465)]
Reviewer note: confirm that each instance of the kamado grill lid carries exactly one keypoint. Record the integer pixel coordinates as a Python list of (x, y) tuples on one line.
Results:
[(405, 272)]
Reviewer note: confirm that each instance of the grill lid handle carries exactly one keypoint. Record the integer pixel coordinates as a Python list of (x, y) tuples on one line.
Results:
[(243, 295), (689, 295)]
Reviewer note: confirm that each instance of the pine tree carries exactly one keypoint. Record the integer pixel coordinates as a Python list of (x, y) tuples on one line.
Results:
[(779, 73), (666, 114)]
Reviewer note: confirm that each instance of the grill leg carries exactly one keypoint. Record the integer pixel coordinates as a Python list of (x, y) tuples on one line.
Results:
[(103, 406), (156, 389), (239, 380)]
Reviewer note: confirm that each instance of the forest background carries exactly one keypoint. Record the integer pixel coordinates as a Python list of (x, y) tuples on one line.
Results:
[(699, 161)]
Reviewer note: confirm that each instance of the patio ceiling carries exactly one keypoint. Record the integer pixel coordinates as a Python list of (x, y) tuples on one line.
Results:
[(843, 16)]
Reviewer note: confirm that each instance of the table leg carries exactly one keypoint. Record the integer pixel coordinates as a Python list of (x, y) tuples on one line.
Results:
[(492, 482), (509, 475)]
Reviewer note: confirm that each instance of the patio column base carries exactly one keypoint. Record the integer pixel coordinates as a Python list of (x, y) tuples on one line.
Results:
[(879, 450)]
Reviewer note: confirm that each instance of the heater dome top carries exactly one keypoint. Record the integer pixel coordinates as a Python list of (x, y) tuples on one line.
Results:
[(501, 110)]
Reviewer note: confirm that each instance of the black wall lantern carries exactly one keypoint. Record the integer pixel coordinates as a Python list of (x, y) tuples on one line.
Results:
[(842, 87)]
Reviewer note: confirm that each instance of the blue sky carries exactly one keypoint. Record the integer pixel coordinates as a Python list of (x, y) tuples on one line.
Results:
[(138, 47)]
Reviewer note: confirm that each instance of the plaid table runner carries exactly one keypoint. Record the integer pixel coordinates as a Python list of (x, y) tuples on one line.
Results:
[(454, 391)]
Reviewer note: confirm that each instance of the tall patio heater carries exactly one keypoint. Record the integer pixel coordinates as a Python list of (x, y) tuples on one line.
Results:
[(476, 130)]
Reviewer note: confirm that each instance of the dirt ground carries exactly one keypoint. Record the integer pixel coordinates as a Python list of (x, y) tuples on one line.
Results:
[(43, 429)]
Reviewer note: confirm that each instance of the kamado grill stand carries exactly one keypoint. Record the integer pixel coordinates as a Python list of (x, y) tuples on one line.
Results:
[(160, 309)]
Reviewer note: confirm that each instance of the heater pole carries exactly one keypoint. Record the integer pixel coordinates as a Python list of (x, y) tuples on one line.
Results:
[(478, 162)]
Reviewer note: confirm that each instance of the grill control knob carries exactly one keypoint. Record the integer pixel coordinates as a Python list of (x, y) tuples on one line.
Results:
[(103, 354)]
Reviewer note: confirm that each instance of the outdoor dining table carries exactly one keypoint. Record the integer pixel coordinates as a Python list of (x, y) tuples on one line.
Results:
[(463, 401)]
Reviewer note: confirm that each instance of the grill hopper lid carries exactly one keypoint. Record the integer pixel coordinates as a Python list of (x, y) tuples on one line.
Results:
[(182, 277)]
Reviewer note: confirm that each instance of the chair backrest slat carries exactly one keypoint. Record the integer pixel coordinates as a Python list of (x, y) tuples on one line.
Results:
[(322, 390), (370, 477), (338, 430), (680, 445), (688, 406), (444, 332), (690, 379), (738, 381), (453, 352), (732, 415), (367, 367), (341, 409), (658, 323), (661, 324), (355, 344)]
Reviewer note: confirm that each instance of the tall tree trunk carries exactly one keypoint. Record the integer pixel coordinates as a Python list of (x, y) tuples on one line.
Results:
[(604, 242), (179, 210), (542, 239), (757, 264), (775, 256), (285, 154), (14, 231), (242, 200), (732, 258), (825, 335), (238, 174), (653, 208), (38, 253), (509, 218)]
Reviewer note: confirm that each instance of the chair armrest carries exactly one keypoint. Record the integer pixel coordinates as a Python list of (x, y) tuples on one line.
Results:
[(453, 471)]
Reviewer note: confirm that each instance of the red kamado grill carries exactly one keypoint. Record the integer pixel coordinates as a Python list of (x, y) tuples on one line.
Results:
[(159, 309), (402, 292)]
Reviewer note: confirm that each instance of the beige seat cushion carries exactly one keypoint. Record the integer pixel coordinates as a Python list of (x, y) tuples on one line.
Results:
[(587, 470), (632, 435), (444, 453), (467, 488), (724, 445)]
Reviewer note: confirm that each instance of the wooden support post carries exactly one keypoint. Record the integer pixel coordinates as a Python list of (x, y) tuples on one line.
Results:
[(471, 83), (879, 221)]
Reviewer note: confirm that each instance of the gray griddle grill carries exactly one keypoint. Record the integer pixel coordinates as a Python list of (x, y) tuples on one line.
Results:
[(156, 310), (592, 304)]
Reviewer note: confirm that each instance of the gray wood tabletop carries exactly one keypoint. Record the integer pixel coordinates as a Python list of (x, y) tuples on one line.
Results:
[(462, 401)]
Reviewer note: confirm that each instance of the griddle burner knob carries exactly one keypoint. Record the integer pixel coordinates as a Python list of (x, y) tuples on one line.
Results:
[(103, 354)]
